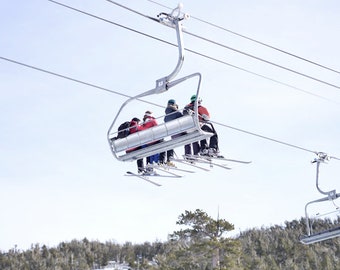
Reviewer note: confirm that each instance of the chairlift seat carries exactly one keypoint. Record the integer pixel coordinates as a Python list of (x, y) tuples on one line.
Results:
[(317, 237), (158, 138)]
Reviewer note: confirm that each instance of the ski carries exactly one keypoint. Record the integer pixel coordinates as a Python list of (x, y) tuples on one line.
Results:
[(168, 167), (144, 177), (208, 160), (159, 167), (219, 158), (190, 163), (233, 160), (178, 169), (212, 164)]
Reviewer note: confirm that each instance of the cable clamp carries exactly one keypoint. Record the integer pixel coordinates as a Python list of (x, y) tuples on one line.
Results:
[(175, 15), (322, 157)]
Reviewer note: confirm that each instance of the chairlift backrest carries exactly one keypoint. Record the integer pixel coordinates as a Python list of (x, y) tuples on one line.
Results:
[(158, 139)]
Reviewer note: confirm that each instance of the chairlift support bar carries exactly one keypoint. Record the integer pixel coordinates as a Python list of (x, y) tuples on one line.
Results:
[(318, 237), (189, 125), (311, 237), (331, 195), (322, 157)]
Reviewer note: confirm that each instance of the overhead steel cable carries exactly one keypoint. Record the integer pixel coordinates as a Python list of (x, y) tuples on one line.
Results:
[(118, 93), (264, 137), (192, 51), (264, 60), (255, 41), (232, 49), (129, 9), (72, 79)]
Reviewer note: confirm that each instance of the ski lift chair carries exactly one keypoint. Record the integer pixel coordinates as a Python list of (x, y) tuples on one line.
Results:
[(312, 237), (159, 138)]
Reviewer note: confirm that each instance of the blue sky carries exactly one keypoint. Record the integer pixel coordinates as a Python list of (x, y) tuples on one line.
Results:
[(59, 180)]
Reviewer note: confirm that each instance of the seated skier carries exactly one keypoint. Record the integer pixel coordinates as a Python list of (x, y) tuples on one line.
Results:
[(205, 149)]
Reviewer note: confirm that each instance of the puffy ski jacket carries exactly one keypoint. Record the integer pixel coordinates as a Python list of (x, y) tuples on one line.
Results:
[(203, 113), (134, 127), (171, 113), (149, 121)]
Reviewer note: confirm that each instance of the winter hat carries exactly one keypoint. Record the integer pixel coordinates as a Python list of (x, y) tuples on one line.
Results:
[(147, 113), (135, 119), (193, 99), (171, 102)]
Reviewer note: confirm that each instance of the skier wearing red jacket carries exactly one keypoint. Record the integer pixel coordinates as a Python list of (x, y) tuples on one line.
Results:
[(148, 122), (204, 148), (135, 127)]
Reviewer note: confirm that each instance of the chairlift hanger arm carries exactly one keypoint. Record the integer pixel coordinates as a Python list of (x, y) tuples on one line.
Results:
[(172, 21), (162, 84), (322, 158)]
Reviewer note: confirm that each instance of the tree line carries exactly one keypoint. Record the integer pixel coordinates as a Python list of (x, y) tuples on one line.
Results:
[(202, 244)]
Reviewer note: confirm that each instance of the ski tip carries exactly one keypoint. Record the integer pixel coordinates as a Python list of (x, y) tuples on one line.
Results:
[(144, 177)]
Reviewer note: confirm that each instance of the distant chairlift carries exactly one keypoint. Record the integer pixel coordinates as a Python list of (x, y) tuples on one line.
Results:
[(187, 125), (312, 237)]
